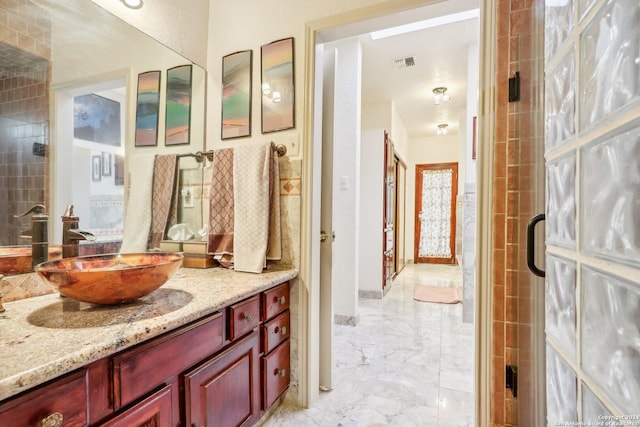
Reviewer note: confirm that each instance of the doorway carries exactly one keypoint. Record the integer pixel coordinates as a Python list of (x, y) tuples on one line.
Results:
[(341, 182), (435, 213), (88, 156)]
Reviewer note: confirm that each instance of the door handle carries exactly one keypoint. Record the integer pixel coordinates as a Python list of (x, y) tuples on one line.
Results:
[(531, 243)]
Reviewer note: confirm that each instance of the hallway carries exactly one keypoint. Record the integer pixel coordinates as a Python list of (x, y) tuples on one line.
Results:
[(407, 363)]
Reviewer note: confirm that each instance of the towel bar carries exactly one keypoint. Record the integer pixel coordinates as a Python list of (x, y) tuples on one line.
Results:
[(281, 149)]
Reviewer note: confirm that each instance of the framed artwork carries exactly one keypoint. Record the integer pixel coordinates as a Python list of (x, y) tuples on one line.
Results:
[(236, 94), (178, 107), (106, 164), (118, 170), (147, 108), (96, 168), (474, 153), (278, 89), (96, 119)]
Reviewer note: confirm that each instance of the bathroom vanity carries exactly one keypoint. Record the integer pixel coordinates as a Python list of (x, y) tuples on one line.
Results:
[(209, 348)]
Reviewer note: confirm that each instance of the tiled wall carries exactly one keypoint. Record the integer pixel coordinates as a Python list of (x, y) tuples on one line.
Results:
[(24, 108), (517, 196)]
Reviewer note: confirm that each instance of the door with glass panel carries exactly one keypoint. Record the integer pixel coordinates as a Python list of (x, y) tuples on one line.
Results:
[(435, 216), (592, 157)]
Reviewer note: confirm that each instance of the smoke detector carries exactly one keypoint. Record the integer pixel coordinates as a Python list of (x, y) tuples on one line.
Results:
[(406, 62)]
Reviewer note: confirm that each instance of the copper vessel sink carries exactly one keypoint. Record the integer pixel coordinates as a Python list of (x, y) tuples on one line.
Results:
[(110, 278), (17, 259)]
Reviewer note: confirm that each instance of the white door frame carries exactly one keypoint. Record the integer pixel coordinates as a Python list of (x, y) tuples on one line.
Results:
[(309, 295)]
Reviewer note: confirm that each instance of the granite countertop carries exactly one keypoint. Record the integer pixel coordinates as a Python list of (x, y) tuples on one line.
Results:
[(44, 337)]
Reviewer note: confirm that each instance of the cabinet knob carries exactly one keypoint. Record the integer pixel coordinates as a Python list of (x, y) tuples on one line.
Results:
[(247, 316), (282, 300), (281, 331), (53, 420), (280, 372)]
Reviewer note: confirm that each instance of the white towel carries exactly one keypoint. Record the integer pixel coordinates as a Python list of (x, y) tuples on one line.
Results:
[(251, 163), (137, 222)]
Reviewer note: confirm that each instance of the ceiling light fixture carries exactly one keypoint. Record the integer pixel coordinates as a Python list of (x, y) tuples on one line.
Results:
[(132, 4), (442, 129), (440, 95)]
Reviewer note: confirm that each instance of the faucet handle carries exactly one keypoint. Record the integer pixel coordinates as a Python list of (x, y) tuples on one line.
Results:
[(36, 209), (68, 214)]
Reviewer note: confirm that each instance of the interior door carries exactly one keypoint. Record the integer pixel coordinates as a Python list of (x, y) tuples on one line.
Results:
[(592, 153), (400, 217), (389, 216), (326, 220), (435, 216)]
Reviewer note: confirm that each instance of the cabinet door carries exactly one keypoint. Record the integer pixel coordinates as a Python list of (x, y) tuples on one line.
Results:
[(154, 411), (225, 391)]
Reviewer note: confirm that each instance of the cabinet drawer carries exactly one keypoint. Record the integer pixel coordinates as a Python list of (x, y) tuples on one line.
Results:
[(155, 411), (243, 317), (275, 301), (275, 331), (149, 365), (63, 399), (275, 374)]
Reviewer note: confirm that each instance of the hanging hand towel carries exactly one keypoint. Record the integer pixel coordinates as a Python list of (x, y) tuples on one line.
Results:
[(221, 205), (274, 251), (252, 174), (164, 209), (137, 221)]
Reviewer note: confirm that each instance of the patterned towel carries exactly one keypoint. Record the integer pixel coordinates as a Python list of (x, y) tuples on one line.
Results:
[(221, 205), (245, 207), (137, 221), (164, 211)]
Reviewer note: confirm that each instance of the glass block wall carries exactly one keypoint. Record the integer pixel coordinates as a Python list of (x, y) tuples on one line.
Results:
[(592, 154)]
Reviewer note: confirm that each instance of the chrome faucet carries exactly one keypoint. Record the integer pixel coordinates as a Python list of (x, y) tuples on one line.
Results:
[(71, 235), (37, 234)]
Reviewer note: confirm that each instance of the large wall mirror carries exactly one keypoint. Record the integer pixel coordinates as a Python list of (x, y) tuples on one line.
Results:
[(68, 99)]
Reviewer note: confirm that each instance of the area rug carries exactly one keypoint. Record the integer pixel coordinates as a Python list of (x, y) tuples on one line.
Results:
[(438, 294)]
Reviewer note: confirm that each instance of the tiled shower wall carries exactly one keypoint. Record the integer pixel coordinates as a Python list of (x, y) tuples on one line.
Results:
[(25, 49), (517, 196)]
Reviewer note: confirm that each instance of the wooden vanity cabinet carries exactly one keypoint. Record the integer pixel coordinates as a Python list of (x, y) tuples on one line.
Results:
[(223, 370)]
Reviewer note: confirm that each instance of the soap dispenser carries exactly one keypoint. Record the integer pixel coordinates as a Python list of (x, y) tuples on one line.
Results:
[(39, 234)]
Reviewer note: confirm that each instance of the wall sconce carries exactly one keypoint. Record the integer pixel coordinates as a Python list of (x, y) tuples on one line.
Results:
[(440, 95), (442, 129), (276, 96), (132, 4), (266, 89)]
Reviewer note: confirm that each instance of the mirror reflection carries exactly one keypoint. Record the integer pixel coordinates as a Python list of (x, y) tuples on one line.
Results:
[(68, 98)]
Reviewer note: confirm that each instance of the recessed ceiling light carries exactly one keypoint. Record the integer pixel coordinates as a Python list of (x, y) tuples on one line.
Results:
[(427, 23), (132, 4)]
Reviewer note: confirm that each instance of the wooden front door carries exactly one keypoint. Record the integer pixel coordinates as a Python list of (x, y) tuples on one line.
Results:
[(435, 213)]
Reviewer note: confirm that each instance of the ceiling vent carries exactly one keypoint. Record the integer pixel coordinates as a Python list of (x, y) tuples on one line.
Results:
[(406, 62)]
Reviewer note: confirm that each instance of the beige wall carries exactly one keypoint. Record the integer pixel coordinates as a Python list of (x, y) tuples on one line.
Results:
[(442, 149)]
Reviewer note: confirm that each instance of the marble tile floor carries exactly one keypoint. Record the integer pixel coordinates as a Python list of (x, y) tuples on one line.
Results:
[(407, 363)]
